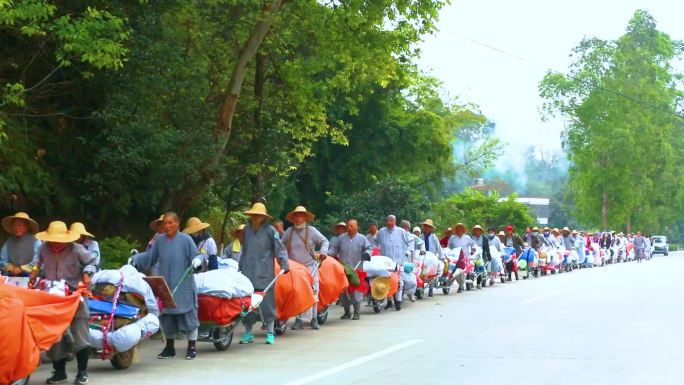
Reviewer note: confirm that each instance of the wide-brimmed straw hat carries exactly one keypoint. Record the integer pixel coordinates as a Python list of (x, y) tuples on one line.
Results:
[(194, 225), (574, 232), (380, 287), (535, 228), (57, 232), (258, 209), (460, 225), (501, 234), (340, 224), (477, 227), (555, 230), (155, 223), (7, 222), (428, 222), (300, 209), (566, 229), (545, 229), (79, 228)]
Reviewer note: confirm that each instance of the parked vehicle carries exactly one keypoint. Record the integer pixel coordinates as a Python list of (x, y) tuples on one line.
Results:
[(660, 245)]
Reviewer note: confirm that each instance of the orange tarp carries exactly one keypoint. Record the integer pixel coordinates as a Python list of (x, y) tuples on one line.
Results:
[(293, 292), (220, 311), (331, 282), (394, 284), (30, 321)]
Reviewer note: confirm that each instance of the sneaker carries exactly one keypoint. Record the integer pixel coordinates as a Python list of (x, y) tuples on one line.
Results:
[(191, 354), (460, 290), (389, 305), (298, 325), (412, 298), (270, 339), (81, 378), (57, 378), (356, 317), (247, 338), (166, 354), (346, 315), (314, 324), (397, 305)]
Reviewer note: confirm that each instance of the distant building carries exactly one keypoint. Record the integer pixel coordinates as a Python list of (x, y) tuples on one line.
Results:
[(539, 208)]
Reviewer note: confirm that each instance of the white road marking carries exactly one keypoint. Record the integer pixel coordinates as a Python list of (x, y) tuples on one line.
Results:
[(540, 297), (353, 363)]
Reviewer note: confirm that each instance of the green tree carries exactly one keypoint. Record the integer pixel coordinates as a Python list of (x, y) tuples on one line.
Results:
[(624, 122)]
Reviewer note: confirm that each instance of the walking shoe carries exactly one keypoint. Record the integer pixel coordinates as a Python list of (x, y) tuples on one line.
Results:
[(270, 339), (412, 298), (298, 325), (346, 315), (397, 306), (57, 378), (356, 316), (247, 338), (460, 290), (389, 305), (167, 353), (314, 323), (81, 378), (191, 354)]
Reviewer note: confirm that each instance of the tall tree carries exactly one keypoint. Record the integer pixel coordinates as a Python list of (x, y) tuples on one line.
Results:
[(624, 124)]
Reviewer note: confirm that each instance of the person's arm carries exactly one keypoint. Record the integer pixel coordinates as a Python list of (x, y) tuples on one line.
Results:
[(4, 257), (321, 241), (333, 250), (96, 253), (279, 251), (145, 260), (451, 244), (210, 247), (87, 260)]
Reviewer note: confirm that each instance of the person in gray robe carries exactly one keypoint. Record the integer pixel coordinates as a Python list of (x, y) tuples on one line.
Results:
[(176, 253), (21, 247), (261, 243), (301, 242), (397, 244), (350, 248), (60, 258)]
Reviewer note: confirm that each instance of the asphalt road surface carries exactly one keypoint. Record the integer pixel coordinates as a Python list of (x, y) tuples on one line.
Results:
[(620, 324)]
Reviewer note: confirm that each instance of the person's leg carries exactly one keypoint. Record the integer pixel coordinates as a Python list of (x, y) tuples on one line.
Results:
[(356, 298), (460, 279), (191, 353), (398, 295), (169, 326), (314, 308), (345, 301)]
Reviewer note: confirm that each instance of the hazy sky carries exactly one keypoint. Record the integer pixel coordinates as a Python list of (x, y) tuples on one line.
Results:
[(536, 35)]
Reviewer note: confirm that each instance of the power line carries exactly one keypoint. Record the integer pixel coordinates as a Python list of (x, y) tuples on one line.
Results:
[(548, 68)]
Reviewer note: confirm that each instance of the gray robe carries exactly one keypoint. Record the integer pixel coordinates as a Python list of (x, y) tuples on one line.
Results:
[(256, 263), (175, 257), (349, 250)]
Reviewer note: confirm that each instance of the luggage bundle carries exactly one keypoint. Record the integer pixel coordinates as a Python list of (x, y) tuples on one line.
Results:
[(222, 295)]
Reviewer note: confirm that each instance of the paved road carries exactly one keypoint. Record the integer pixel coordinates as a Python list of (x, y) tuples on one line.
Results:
[(621, 324)]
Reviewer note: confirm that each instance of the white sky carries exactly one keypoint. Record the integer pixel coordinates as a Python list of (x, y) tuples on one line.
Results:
[(542, 32)]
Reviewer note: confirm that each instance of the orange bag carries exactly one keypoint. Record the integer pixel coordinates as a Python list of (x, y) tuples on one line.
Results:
[(293, 292), (332, 281), (394, 284), (220, 311), (36, 321)]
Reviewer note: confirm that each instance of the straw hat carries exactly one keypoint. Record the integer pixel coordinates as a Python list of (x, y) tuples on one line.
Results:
[(574, 232), (194, 225), (460, 225), (155, 223), (555, 230), (380, 287), (341, 224), (545, 229), (565, 229), (79, 228), (535, 228), (501, 234), (57, 232), (258, 209), (7, 222), (417, 229), (429, 223), (477, 227), (300, 209), (241, 227)]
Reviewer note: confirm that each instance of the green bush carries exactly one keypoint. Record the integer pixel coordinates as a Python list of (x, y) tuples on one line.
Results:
[(673, 247), (115, 252)]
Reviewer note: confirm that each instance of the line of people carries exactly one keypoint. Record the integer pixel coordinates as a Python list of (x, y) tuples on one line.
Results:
[(72, 254)]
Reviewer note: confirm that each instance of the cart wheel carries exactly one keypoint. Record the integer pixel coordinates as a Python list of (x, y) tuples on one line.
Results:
[(23, 381), (419, 293), (322, 317), (280, 327), (222, 339), (122, 360), (446, 290)]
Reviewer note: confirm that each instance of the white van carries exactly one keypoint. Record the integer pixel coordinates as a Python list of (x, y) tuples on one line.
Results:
[(660, 245)]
